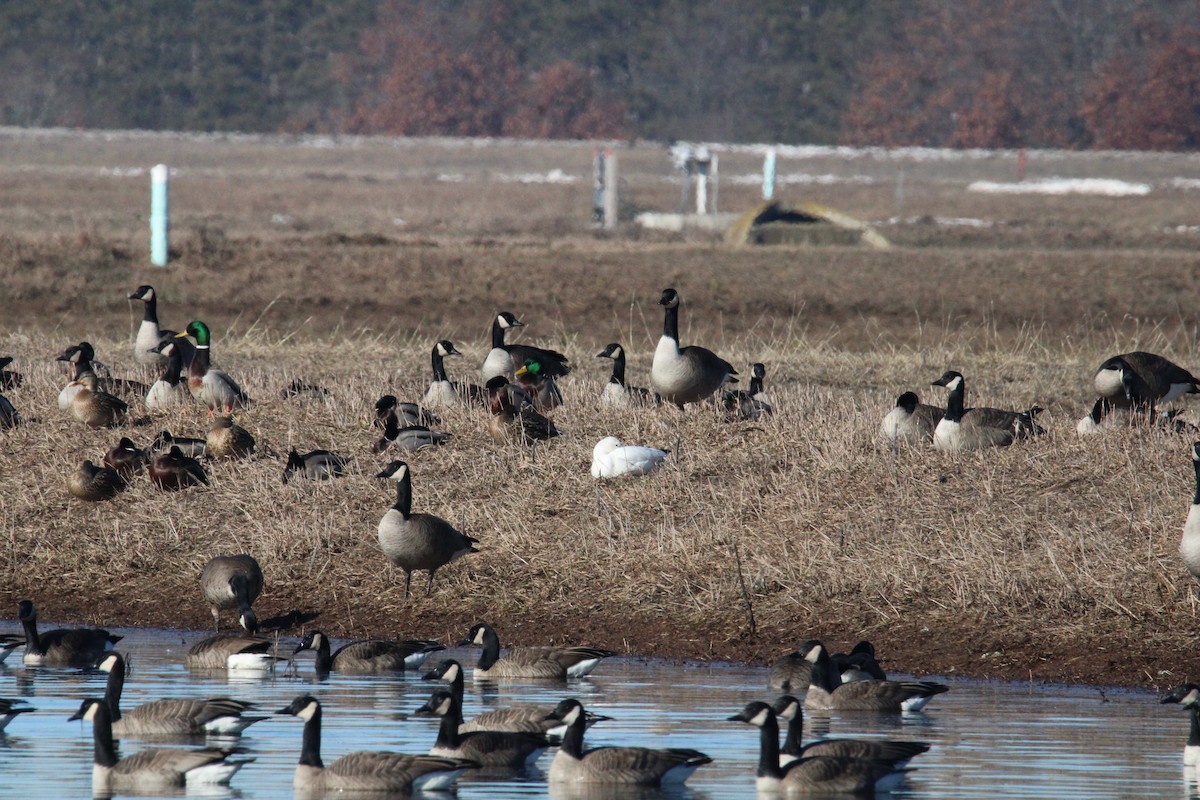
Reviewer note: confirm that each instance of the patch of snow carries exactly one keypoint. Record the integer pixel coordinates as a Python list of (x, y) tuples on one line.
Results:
[(553, 176), (805, 179), (1184, 183), (1107, 187)]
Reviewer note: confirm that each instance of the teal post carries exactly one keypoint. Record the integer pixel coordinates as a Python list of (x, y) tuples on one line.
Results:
[(160, 217), (769, 175)]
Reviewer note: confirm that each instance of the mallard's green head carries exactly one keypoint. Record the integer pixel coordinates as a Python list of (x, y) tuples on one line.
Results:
[(532, 367), (197, 330)]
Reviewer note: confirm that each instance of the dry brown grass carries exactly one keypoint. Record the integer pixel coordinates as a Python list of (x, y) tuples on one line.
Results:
[(1056, 558)]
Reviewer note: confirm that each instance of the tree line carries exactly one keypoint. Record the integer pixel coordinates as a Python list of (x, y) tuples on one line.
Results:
[(943, 73)]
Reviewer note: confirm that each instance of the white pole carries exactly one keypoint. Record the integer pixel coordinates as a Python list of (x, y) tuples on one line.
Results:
[(702, 192), (769, 175), (610, 188), (160, 217)]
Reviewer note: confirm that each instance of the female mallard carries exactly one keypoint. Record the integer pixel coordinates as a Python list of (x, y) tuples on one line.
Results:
[(227, 439), (93, 483), (95, 408), (210, 386)]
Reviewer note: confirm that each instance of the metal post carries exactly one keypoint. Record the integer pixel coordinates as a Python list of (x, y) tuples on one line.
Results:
[(610, 188), (769, 175), (160, 217)]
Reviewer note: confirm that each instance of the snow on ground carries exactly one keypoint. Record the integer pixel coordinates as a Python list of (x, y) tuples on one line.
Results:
[(1108, 187)]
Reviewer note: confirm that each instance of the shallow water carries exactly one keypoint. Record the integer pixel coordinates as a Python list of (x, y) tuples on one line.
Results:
[(989, 739)]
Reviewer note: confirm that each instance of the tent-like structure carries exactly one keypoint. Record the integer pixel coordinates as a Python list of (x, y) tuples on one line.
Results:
[(772, 222)]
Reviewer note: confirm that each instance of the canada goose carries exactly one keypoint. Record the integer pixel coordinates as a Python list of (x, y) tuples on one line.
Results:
[(617, 393), (9, 418), (1106, 414), (232, 651), (638, 766), (410, 438), (815, 774), (911, 421), (1188, 696), (503, 359), (94, 484), (552, 663), (61, 647), (790, 709), (149, 769), (611, 459), (825, 692), (227, 439), (1189, 545), (365, 770), (169, 391), (190, 447), (791, 673), (442, 391), (171, 716), (316, 465), (965, 429), (752, 404), (858, 665), (126, 458), (210, 386), (540, 386), (95, 408), (10, 708), (1142, 380), (149, 335), (417, 541), (367, 656), (508, 424), (685, 374), (390, 414), (232, 582), (530, 719), (9, 379), (507, 749), (173, 471)]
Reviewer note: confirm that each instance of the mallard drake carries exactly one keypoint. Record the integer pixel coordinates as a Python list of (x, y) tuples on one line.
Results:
[(9, 418), (417, 541), (508, 424), (316, 465), (222, 716), (611, 459), (367, 656), (636, 766), (826, 692), (365, 770), (210, 386), (95, 408), (1142, 380), (684, 375), (617, 393), (442, 391), (232, 583), (61, 647), (173, 470), (227, 439), (752, 404), (791, 710), (503, 359), (169, 391), (532, 378), (233, 651), (10, 708), (9, 379), (392, 414), (965, 429), (190, 447), (126, 458), (150, 335), (152, 769), (911, 421), (94, 484), (505, 749), (551, 663)]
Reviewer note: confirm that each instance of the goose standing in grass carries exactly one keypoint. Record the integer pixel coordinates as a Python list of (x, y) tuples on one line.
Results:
[(9, 379), (507, 423), (417, 541), (618, 394), (150, 335), (1189, 544), (61, 647), (9, 418), (96, 408), (752, 404), (825, 692), (684, 375), (367, 656), (153, 769), (1188, 696), (173, 471), (634, 766), (1142, 380), (911, 421), (95, 484), (550, 663), (233, 651), (315, 465), (227, 439), (10, 709), (611, 459), (208, 385), (232, 583), (169, 391), (442, 391), (506, 749), (222, 716), (366, 770), (791, 710), (504, 359), (965, 429), (815, 774)]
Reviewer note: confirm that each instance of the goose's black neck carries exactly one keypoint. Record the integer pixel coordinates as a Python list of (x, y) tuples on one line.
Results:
[(755, 386), (32, 643), (821, 673), (104, 752), (456, 689), (618, 373), (1196, 496), (310, 749), (572, 741), (491, 649), (404, 495), (174, 364), (324, 662), (1194, 734), (439, 368), (671, 322), (150, 313), (954, 402), (768, 748), (497, 333), (113, 689), (795, 733), (448, 735)]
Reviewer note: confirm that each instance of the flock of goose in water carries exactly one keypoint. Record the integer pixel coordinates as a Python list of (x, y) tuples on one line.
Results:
[(519, 392)]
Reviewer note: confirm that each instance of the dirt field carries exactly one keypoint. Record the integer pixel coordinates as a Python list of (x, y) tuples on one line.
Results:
[(342, 263)]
